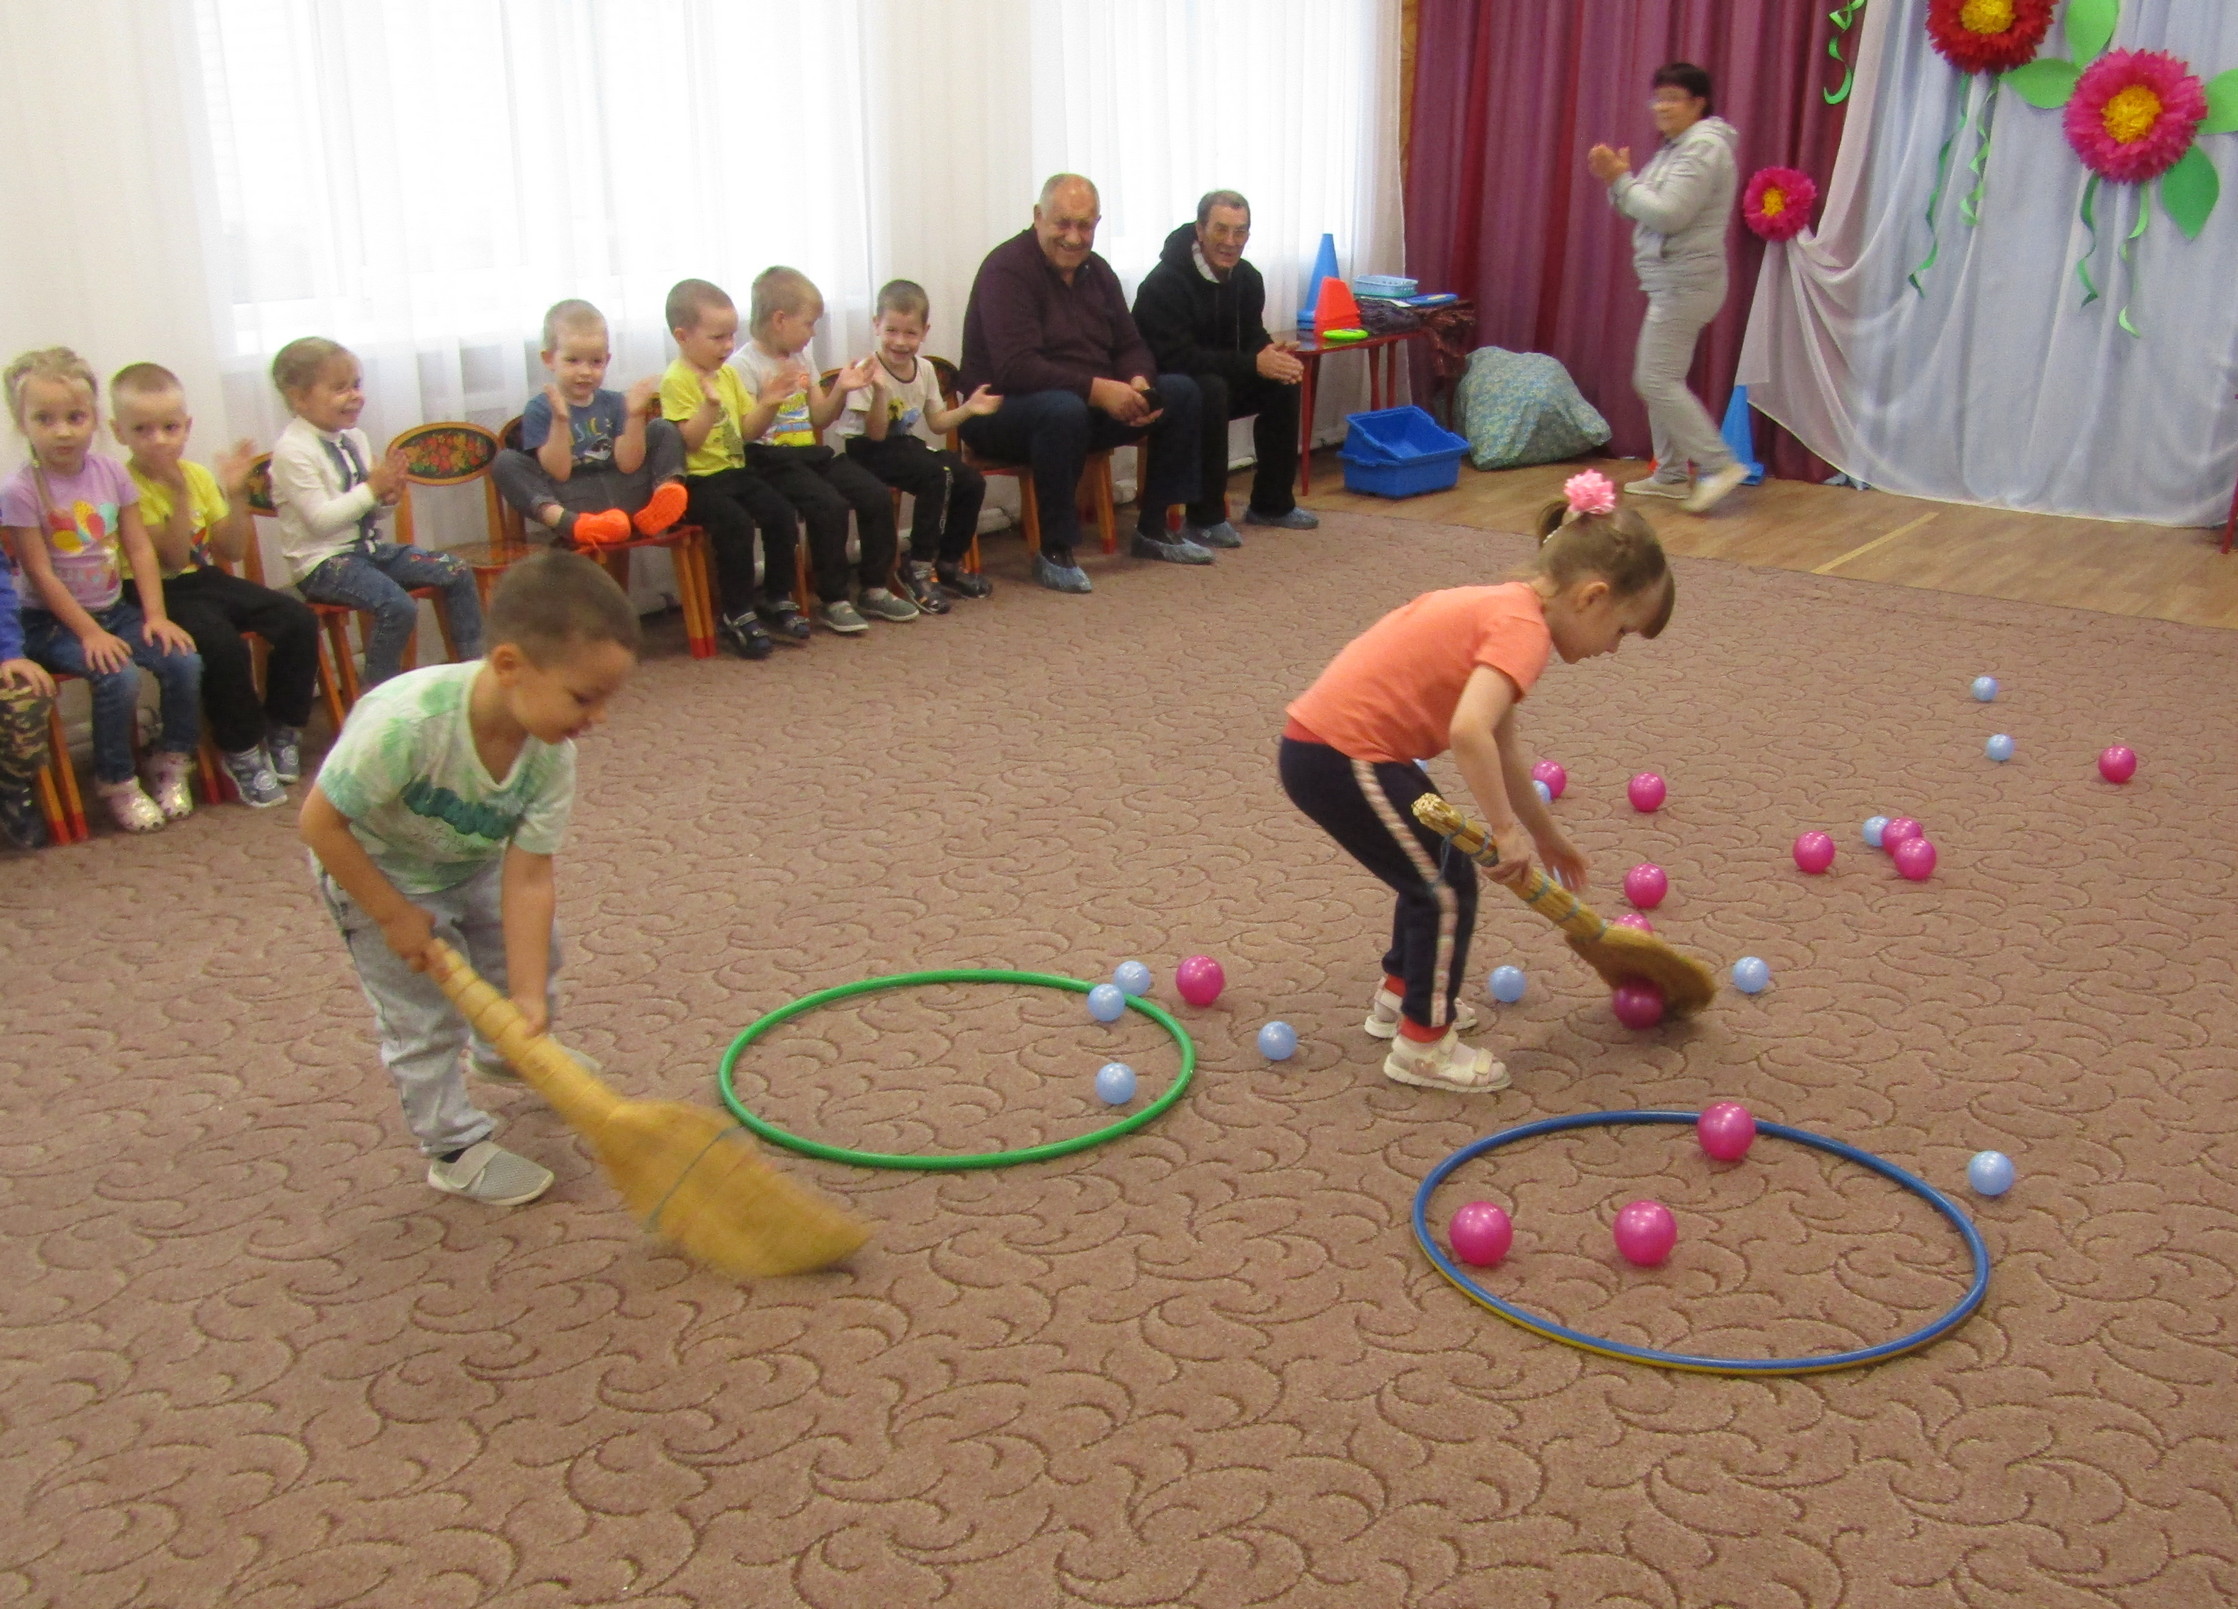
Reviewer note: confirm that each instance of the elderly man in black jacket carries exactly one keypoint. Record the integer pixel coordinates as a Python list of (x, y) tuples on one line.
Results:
[(1203, 312)]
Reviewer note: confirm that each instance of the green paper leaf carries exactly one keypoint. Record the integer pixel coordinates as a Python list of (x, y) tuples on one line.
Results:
[(2222, 104), (2047, 82), (2090, 27), (2189, 191)]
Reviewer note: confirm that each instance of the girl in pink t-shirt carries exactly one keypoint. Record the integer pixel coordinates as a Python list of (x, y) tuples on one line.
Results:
[(1448, 671), (70, 514)]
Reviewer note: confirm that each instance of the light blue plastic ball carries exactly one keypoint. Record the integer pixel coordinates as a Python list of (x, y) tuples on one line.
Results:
[(1132, 977), (1985, 688), (1990, 1172), (1115, 1083), (1278, 1041), (1105, 1002), (1546, 794), (1752, 974), (1999, 748), (1507, 985), (1873, 826)]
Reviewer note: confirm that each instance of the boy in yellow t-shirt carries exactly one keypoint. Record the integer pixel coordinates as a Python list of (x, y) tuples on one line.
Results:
[(197, 526), (707, 402)]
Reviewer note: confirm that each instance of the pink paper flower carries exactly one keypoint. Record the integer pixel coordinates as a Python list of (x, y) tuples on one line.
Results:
[(1590, 492), (2134, 113), (1777, 204)]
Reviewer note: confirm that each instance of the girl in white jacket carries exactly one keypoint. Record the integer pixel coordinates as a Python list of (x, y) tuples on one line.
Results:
[(1679, 205)]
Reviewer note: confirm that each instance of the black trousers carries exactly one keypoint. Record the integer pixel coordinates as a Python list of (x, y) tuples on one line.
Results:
[(1368, 807), (1272, 408), (220, 612), (1053, 432), (947, 490), (730, 505), (823, 487)]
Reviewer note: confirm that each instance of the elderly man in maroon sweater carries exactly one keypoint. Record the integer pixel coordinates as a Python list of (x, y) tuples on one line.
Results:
[(1048, 328)]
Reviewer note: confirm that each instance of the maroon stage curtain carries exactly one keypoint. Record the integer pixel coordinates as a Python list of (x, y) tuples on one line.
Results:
[(1508, 95)]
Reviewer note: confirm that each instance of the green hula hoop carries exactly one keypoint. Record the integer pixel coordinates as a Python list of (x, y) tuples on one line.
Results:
[(947, 1164)]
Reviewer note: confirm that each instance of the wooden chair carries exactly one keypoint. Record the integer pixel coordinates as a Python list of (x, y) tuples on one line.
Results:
[(59, 799), (1096, 478), (453, 452), (687, 551), (337, 671)]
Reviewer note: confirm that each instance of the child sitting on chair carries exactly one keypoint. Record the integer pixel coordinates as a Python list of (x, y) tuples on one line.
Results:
[(198, 523), (612, 464), (330, 493), (791, 411), (73, 521), (893, 428), (436, 816)]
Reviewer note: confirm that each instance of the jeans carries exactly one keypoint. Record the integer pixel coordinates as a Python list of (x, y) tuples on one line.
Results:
[(1272, 408), (823, 488), (1368, 808), (1680, 426), (1053, 432), (379, 578), (525, 483), (947, 490), (218, 611), (116, 693), (421, 1031), (730, 505)]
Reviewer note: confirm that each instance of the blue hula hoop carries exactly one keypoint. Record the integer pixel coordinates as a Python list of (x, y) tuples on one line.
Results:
[(1552, 1331)]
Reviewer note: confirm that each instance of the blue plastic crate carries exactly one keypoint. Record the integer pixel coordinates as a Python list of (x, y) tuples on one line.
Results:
[(1400, 452)]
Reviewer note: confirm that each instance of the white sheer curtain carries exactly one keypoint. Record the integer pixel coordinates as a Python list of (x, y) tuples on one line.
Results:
[(1996, 385), (419, 179)]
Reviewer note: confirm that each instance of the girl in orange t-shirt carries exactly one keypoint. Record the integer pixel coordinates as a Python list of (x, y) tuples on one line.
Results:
[(1447, 671)]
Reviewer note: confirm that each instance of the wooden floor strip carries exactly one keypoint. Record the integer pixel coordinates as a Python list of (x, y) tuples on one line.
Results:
[(1881, 541)]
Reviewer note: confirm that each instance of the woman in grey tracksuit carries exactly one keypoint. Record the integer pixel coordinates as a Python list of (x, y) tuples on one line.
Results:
[(1679, 204)]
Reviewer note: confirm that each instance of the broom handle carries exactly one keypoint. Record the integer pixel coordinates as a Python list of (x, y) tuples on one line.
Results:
[(582, 1099), (1539, 891)]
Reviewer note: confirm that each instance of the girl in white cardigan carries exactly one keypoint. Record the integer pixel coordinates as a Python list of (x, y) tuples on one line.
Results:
[(330, 492)]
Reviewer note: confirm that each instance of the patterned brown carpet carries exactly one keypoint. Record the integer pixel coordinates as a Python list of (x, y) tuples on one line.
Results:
[(249, 1359)]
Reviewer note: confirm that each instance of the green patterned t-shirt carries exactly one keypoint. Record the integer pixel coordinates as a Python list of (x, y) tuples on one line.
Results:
[(406, 773)]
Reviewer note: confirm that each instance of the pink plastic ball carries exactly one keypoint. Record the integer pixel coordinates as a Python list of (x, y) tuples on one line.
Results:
[(1645, 885), (1555, 778), (1915, 858), (1726, 1130), (1645, 1232), (1646, 791), (1481, 1234), (1897, 831), (1200, 980), (1637, 1004), (1814, 852), (1633, 919), (2118, 764)]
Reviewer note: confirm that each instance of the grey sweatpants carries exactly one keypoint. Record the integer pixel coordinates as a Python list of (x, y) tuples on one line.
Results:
[(1681, 427), (421, 1031), (524, 483)]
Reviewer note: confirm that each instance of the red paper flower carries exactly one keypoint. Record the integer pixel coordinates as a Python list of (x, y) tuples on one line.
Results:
[(2134, 113), (1988, 36), (1777, 203)]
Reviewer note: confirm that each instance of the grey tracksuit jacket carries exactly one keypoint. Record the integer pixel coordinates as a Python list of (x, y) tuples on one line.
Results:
[(1679, 205)]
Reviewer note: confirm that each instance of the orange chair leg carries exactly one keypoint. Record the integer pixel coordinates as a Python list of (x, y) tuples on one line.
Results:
[(217, 782), (1107, 518), (696, 590), (72, 810), (1029, 514), (340, 667)]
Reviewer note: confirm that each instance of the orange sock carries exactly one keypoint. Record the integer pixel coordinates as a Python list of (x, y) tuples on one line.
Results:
[(1397, 986), (1410, 1029), (595, 530), (665, 509)]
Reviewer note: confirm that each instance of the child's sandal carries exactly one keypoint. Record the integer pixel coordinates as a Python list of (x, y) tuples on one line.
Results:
[(1445, 1064), (130, 807)]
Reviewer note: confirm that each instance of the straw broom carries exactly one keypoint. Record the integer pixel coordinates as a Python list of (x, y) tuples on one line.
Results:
[(688, 1173), (1619, 954)]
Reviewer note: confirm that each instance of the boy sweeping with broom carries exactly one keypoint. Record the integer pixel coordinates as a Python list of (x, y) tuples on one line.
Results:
[(1449, 671), (436, 816)]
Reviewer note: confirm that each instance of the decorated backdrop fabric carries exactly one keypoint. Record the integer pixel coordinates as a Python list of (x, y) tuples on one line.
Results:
[(1993, 382)]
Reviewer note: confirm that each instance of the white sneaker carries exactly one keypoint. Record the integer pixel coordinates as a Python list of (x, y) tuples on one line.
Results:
[(1709, 493), (1383, 1016), (490, 1174), (1445, 1064), (1651, 487), (167, 785)]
